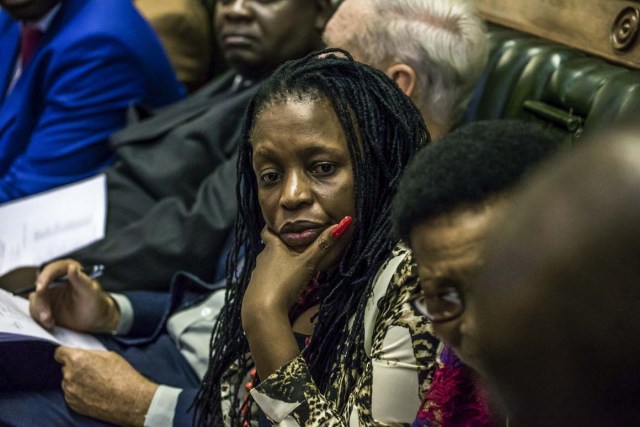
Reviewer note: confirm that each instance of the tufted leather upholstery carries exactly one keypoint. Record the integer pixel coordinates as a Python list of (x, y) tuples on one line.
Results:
[(532, 78)]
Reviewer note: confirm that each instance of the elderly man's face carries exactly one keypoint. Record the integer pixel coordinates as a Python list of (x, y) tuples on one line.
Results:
[(257, 36), (448, 251), (27, 10)]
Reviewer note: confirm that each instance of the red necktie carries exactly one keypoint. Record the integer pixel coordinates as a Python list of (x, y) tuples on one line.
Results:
[(28, 43)]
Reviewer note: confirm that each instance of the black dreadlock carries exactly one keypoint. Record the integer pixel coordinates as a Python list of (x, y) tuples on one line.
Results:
[(383, 130)]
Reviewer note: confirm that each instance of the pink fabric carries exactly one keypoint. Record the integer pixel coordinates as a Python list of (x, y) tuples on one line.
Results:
[(454, 399), (30, 38)]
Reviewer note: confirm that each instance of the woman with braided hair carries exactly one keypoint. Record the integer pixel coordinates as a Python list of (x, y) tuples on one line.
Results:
[(317, 290)]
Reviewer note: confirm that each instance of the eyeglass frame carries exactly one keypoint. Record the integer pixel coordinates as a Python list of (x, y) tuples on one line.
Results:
[(423, 310)]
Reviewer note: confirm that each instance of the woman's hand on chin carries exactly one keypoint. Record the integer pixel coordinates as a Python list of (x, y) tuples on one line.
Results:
[(281, 274), (278, 279)]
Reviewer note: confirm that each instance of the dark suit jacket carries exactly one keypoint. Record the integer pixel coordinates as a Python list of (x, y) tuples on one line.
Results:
[(153, 309), (171, 194), (96, 58)]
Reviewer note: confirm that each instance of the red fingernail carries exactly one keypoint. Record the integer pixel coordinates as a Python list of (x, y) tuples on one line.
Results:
[(342, 227)]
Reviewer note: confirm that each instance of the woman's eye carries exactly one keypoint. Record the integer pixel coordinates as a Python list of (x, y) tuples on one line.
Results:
[(270, 177), (324, 169)]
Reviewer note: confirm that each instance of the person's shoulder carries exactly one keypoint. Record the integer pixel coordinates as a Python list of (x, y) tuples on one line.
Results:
[(103, 29), (6, 22), (116, 19), (400, 261), (107, 10), (397, 271), (401, 250)]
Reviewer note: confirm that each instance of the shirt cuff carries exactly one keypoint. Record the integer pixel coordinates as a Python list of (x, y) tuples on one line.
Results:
[(163, 407), (126, 314), (284, 390)]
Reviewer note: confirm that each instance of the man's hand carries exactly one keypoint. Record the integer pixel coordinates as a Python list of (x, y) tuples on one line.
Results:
[(81, 304), (102, 385)]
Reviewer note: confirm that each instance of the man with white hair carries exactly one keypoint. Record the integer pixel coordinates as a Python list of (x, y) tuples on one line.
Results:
[(434, 49)]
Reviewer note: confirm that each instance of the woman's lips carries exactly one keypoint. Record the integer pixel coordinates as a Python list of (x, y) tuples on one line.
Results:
[(300, 239)]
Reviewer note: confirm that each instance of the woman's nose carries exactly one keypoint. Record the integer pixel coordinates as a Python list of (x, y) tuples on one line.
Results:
[(296, 191)]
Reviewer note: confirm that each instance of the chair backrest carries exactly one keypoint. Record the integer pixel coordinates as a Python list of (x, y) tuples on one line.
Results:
[(532, 78)]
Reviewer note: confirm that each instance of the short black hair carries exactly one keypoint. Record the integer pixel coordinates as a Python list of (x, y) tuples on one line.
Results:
[(467, 166)]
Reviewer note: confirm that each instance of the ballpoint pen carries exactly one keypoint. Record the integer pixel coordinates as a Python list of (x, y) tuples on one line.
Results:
[(93, 271)]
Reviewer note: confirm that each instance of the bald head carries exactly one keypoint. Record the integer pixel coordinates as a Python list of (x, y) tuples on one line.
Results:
[(557, 306)]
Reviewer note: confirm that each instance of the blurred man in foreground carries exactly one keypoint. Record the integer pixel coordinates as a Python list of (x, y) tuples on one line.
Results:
[(556, 307)]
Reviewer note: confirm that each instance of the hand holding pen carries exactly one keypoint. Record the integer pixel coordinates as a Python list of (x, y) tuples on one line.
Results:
[(92, 270), (79, 303)]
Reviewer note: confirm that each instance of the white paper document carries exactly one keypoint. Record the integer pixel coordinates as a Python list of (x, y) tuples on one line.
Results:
[(16, 323), (27, 350), (47, 225)]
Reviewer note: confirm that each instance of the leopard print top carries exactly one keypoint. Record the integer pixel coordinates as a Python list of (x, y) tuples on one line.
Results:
[(401, 355)]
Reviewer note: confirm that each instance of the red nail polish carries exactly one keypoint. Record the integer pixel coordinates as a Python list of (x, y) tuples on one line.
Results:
[(342, 227)]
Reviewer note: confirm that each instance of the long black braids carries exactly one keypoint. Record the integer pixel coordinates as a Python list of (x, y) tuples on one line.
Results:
[(383, 130)]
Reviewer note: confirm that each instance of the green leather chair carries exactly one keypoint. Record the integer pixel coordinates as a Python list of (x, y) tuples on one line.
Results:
[(568, 90)]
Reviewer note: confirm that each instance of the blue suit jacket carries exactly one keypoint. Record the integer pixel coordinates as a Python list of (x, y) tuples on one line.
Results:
[(96, 58)]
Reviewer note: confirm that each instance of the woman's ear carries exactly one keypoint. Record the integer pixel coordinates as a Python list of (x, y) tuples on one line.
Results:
[(325, 10), (404, 76)]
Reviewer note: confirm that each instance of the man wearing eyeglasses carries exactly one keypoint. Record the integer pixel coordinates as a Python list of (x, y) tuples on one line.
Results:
[(448, 199)]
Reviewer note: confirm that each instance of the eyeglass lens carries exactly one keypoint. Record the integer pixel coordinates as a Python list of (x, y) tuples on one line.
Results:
[(445, 305)]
